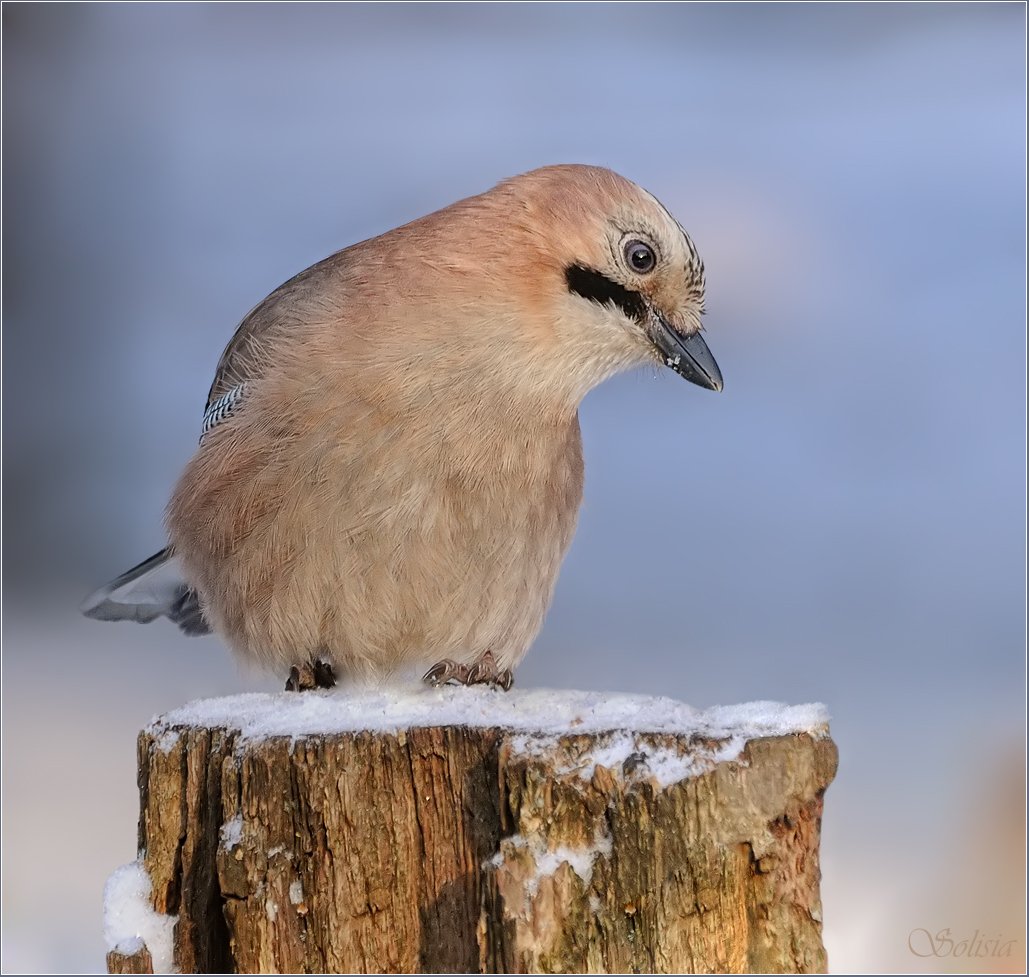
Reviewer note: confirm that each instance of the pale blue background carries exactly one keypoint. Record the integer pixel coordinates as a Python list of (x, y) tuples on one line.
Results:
[(844, 523)]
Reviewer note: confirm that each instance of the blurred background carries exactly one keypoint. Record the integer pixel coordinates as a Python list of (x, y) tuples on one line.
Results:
[(854, 177)]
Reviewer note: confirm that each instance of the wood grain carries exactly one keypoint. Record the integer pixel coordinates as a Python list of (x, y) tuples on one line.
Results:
[(460, 850)]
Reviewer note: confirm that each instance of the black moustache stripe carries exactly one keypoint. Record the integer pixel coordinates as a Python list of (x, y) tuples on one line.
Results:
[(599, 288)]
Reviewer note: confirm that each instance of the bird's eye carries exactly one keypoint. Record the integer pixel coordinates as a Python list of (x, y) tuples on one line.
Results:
[(640, 257)]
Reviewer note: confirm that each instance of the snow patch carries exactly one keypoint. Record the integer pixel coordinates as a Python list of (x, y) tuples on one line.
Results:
[(547, 861), (167, 741), (635, 757), (667, 767), (705, 739), (232, 832), (130, 921), (260, 715)]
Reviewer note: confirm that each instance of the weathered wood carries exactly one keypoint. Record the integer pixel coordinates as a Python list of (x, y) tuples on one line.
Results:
[(462, 849), (130, 963)]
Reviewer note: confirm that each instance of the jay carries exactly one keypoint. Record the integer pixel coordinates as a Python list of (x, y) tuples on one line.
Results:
[(390, 466)]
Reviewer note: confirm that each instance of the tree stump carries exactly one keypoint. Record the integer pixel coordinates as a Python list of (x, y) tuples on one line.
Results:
[(473, 831)]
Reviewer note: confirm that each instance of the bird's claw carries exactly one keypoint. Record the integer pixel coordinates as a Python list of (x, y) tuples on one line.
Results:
[(311, 675), (483, 671), (446, 671)]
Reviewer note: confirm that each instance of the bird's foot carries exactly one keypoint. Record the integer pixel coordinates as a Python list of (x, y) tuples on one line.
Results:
[(311, 675), (446, 671), (483, 671)]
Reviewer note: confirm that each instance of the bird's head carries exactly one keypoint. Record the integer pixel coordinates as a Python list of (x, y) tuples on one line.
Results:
[(614, 275)]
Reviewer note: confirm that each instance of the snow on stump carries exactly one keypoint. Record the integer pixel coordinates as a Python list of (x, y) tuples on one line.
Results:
[(471, 831)]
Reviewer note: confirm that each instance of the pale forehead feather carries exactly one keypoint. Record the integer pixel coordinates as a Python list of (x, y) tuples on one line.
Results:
[(583, 200)]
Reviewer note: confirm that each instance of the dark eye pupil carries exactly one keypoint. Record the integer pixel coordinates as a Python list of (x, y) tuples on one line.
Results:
[(641, 257)]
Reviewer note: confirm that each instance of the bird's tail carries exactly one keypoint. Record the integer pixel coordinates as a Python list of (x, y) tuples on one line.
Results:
[(152, 589)]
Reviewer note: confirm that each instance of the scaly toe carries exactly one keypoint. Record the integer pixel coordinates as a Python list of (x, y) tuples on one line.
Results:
[(485, 671), (310, 675), (446, 671), (299, 678), (324, 676)]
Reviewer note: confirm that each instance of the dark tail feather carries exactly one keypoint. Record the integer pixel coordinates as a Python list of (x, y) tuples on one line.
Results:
[(186, 613), (152, 589)]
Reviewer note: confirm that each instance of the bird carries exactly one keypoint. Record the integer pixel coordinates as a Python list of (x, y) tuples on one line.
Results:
[(390, 464)]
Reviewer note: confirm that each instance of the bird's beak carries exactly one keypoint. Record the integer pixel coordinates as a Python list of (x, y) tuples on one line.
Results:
[(687, 355)]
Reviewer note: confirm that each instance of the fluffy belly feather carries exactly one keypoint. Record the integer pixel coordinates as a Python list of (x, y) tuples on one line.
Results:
[(384, 562)]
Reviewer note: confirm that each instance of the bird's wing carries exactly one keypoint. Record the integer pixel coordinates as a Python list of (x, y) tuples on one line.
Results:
[(247, 354), (156, 588), (283, 311)]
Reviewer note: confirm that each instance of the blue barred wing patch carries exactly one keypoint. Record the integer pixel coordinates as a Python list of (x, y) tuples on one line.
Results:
[(222, 408)]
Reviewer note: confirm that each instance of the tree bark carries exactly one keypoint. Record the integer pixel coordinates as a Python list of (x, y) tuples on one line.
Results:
[(482, 850)]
